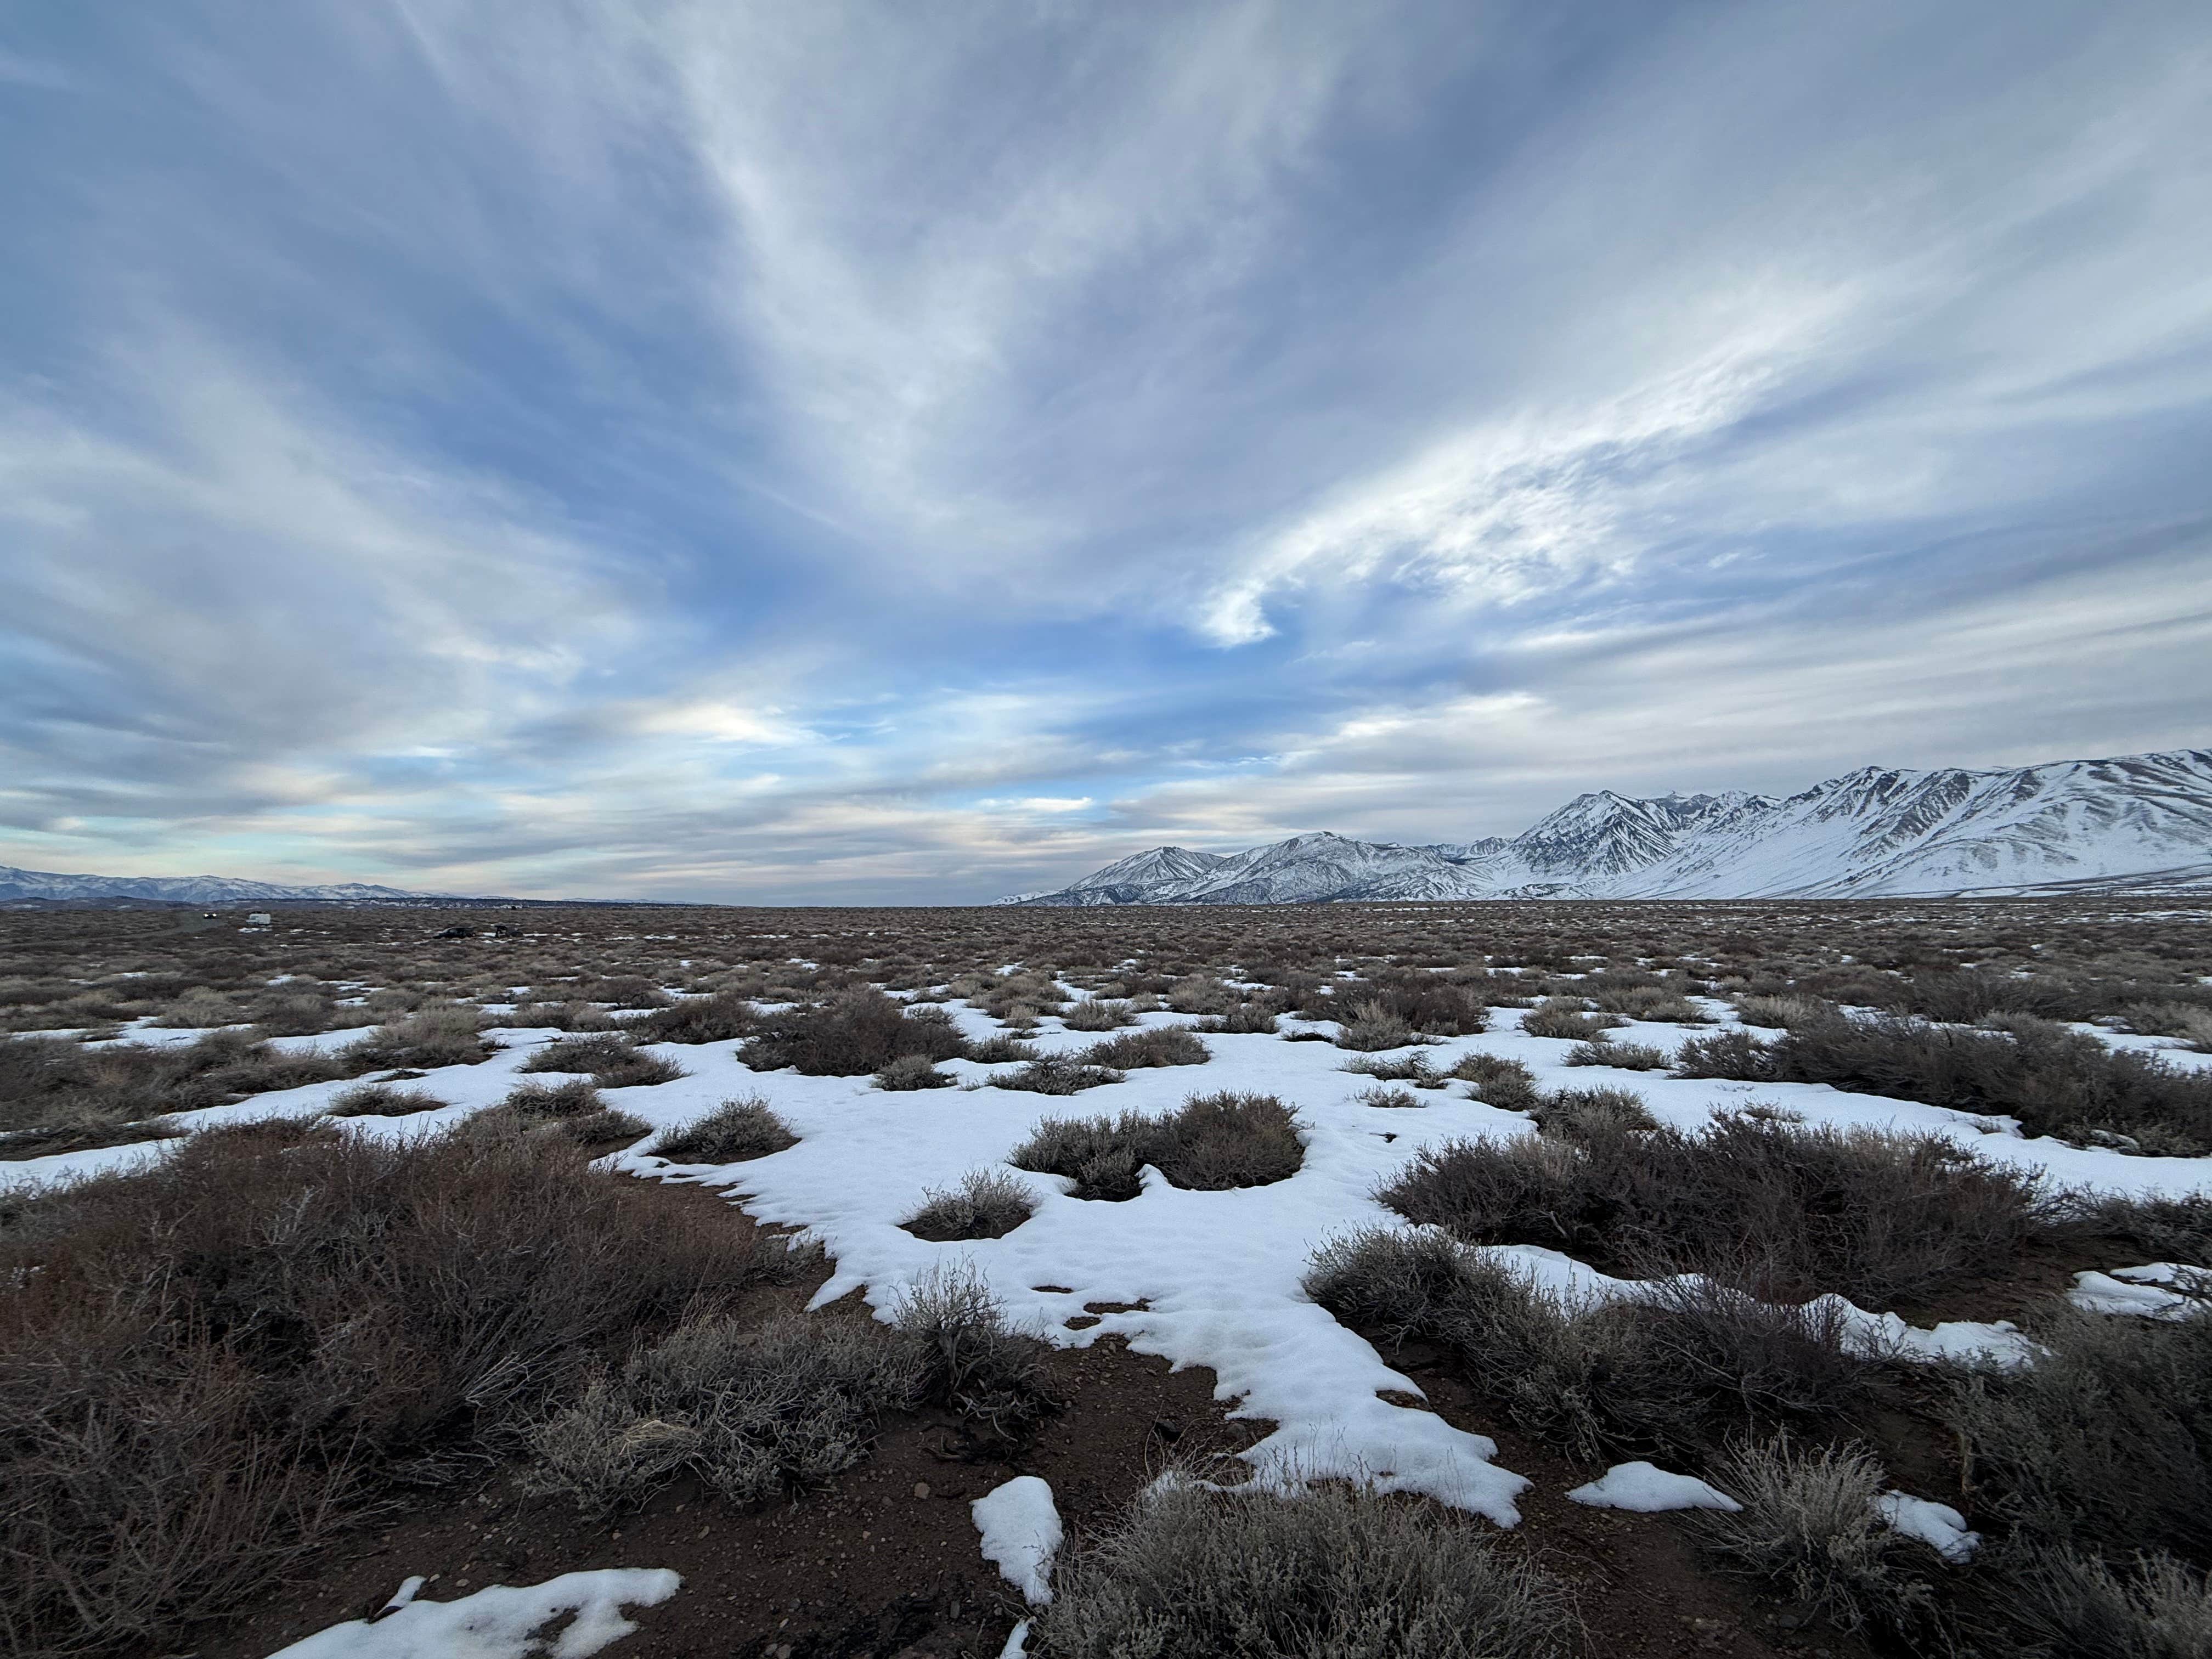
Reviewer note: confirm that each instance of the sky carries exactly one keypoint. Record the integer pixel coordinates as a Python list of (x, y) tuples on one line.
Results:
[(832, 453)]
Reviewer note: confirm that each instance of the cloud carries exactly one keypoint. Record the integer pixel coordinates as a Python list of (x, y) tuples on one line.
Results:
[(840, 453)]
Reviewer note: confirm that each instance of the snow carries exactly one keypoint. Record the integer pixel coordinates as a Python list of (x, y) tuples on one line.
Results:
[(497, 1622), (1939, 1526), (1647, 1490), (1017, 1642), (2138, 820), (1021, 1534), (2159, 1289)]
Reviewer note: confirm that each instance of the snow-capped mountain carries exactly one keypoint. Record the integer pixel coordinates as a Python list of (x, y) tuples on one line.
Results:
[(2139, 822), (183, 889)]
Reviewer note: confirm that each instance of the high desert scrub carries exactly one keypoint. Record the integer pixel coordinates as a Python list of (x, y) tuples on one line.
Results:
[(1623, 1056), (58, 1095), (987, 1204), (612, 1061), (1809, 1526), (1496, 1081), (382, 1100), (855, 1035), (1099, 1014), (751, 1410), (717, 1016), (422, 1040), (1214, 1142), (910, 1072), (1374, 1026), (966, 1358), (1164, 1045), (1784, 1211), (1194, 1569), (2055, 1081), (733, 1132), (1673, 1374), (1056, 1074), (1567, 1017), (209, 1368)]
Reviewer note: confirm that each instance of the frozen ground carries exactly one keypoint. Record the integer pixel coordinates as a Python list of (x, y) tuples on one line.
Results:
[(1212, 1278)]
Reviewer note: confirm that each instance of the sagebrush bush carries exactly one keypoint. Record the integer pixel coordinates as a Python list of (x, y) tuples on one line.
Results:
[(716, 1017), (856, 1035), (1624, 1056), (910, 1072), (1002, 1049), (1673, 1373), (2055, 1081), (381, 1100), (1506, 1084), (205, 1367), (1245, 1019), (1809, 1526), (1564, 1018), (1098, 1014), (1196, 1571), (733, 1132), (1786, 1211), (2106, 1442), (1394, 1099), (1056, 1074), (1373, 1027), (57, 1095), (966, 1358), (1164, 1045), (1429, 1003), (1780, 1013), (752, 1409), (2064, 1602), (612, 1061), (1583, 1115), (1414, 1068), (422, 1040), (1212, 1143), (987, 1204)]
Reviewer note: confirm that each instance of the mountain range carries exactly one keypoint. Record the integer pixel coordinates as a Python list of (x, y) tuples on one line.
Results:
[(45, 886), (2137, 822)]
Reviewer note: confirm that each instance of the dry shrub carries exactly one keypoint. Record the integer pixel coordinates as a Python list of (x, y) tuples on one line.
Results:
[(1622, 1056), (1810, 1526), (1165, 1045), (1506, 1084), (1584, 1114), (422, 1040), (910, 1072), (2106, 1442), (733, 1132), (1056, 1074), (206, 1367), (1372, 1027), (987, 1204), (1394, 1099), (1672, 1374), (1214, 1142), (382, 1100), (966, 1357), (1098, 1014), (201, 1007), (858, 1033), (1429, 1003), (1002, 1049), (1193, 1569), (1200, 994), (2055, 1081), (612, 1061), (57, 1095), (2060, 1602), (1245, 1019), (716, 1017), (1564, 1018), (1785, 1211), (751, 1410), (1781, 1014), (1414, 1068)]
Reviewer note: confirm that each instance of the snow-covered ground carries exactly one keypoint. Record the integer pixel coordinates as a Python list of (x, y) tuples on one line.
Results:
[(1215, 1276)]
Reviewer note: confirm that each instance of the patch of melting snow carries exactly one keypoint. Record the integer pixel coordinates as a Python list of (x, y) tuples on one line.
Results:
[(2159, 1290), (1939, 1526), (1020, 1526), (499, 1622), (1647, 1489)]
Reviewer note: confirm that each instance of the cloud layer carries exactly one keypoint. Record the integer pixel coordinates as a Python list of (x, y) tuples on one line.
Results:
[(846, 454)]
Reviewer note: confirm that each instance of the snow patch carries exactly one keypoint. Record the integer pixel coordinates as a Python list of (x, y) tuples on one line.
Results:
[(1021, 1534), (1647, 1490), (1939, 1526), (498, 1622)]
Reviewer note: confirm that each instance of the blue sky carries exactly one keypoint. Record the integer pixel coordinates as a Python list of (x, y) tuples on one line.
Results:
[(892, 453)]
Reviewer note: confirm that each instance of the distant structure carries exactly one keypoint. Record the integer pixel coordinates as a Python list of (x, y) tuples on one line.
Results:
[(259, 918)]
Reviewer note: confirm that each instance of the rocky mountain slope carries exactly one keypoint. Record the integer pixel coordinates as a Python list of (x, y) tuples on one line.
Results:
[(2139, 822)]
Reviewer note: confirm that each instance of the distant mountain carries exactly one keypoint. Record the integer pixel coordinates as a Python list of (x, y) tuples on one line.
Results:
[(45, 884), (2141, 823)]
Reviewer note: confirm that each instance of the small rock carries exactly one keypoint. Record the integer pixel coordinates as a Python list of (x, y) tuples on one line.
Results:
[(922, 1489)]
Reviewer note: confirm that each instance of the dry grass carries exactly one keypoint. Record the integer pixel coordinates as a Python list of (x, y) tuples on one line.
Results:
[(382, 1100), (987, 1204)]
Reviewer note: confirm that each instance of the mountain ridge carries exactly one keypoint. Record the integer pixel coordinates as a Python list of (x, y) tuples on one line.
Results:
[(2130, 822), (56, 887)]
